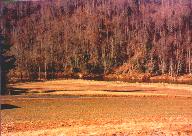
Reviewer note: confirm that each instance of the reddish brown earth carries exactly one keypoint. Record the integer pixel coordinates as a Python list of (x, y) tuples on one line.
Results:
[(78, 107)]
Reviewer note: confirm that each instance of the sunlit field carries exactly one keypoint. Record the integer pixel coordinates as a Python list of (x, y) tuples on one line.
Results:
[(96, 67), (79, 107)]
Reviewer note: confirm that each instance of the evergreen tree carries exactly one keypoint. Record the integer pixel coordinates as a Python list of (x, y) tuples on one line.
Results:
[(6, 62)]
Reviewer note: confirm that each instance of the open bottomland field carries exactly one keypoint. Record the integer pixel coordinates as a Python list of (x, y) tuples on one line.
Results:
[(83, 108)]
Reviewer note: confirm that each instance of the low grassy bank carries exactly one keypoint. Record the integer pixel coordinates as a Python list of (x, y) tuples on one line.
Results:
[(99, 88)]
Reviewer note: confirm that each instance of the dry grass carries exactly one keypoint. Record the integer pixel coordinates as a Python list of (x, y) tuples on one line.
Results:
[(103, 88)]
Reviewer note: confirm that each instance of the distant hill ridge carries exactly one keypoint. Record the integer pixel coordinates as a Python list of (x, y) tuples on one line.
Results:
[(55, 39)]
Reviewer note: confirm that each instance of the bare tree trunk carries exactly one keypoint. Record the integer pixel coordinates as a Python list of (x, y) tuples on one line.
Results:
[(171, 67), (45, 66), (39, 72), (189, 57)]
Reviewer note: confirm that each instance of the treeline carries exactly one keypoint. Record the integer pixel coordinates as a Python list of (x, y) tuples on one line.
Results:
[(59, 38)]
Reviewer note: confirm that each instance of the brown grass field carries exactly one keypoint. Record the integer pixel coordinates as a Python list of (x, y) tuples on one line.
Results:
[(96, 108)]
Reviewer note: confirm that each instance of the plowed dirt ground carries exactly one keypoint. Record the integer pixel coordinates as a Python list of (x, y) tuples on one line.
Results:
[(79, 107)]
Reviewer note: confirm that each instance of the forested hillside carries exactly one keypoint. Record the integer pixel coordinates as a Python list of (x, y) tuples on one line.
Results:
[(106, 38)]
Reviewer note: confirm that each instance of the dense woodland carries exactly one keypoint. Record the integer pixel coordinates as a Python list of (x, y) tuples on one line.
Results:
[(60, 38)]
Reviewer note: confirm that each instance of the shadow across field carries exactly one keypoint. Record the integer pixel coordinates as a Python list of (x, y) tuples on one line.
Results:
[(124, 91), (23, 91), (8, 106), (18, 91)]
